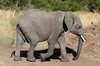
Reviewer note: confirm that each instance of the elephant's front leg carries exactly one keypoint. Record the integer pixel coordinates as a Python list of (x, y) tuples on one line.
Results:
[(51, 45), (61, 42)]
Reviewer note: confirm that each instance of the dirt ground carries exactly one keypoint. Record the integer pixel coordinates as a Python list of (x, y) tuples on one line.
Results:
[(6, 51), (91, 47), (90, 55)]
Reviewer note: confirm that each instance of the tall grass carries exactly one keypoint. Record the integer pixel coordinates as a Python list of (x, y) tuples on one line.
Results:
[(7, 28), (8, 18), (88, 18)]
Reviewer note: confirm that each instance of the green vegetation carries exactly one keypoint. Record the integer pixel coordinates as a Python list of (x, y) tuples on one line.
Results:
[(51, 5), (2, 64)]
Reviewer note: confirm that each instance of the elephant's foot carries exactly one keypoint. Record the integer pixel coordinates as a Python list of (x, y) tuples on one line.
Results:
[(31, 59), (75, 58), (42, 57), (17, 59), (64, 60)]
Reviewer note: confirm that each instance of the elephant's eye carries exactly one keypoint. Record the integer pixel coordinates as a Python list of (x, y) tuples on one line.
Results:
[(79, 27)]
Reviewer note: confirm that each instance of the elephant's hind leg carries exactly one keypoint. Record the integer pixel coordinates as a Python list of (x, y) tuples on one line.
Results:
[(34, 39), (30, 54), (19, 43)]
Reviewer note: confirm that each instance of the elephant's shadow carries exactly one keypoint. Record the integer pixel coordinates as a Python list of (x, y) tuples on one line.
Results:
[(56, 54)]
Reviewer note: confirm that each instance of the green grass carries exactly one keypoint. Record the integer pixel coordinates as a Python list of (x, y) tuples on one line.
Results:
[(2, 64)]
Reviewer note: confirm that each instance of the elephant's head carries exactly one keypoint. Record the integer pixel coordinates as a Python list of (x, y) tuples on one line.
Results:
[(74, 25)]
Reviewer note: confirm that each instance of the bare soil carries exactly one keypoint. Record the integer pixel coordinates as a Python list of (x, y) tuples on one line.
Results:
[(91, 47), (6, 51), (89, 56)]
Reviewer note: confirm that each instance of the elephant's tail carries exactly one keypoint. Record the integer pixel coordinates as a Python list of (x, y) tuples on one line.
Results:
[(13, 41), (21, 33), (12, 54)]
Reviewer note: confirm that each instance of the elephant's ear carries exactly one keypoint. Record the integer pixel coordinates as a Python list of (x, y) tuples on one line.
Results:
[(69, 20)]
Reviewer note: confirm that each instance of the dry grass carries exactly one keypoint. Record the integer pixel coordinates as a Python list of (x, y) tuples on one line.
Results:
[(8, 18), (2, 64), (88, 18)]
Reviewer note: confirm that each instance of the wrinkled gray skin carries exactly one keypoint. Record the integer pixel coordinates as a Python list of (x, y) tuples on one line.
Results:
[(36, 26)]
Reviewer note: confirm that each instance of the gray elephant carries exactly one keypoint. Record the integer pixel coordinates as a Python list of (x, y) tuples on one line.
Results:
[(36, 26)]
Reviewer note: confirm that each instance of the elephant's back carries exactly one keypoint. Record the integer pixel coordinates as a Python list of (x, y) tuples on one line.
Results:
[(38, 19), (37, 13)]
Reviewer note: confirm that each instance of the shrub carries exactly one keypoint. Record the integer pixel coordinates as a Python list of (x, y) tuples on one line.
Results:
[(51, 5)]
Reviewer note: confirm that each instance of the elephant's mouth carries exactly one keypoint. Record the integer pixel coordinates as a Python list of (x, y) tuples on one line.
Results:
[(82, 38)]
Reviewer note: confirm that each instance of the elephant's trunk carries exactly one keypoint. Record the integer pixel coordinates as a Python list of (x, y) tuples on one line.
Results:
[(81, 40)]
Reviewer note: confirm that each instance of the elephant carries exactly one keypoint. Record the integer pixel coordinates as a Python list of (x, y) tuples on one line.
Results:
[(35, 26)]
